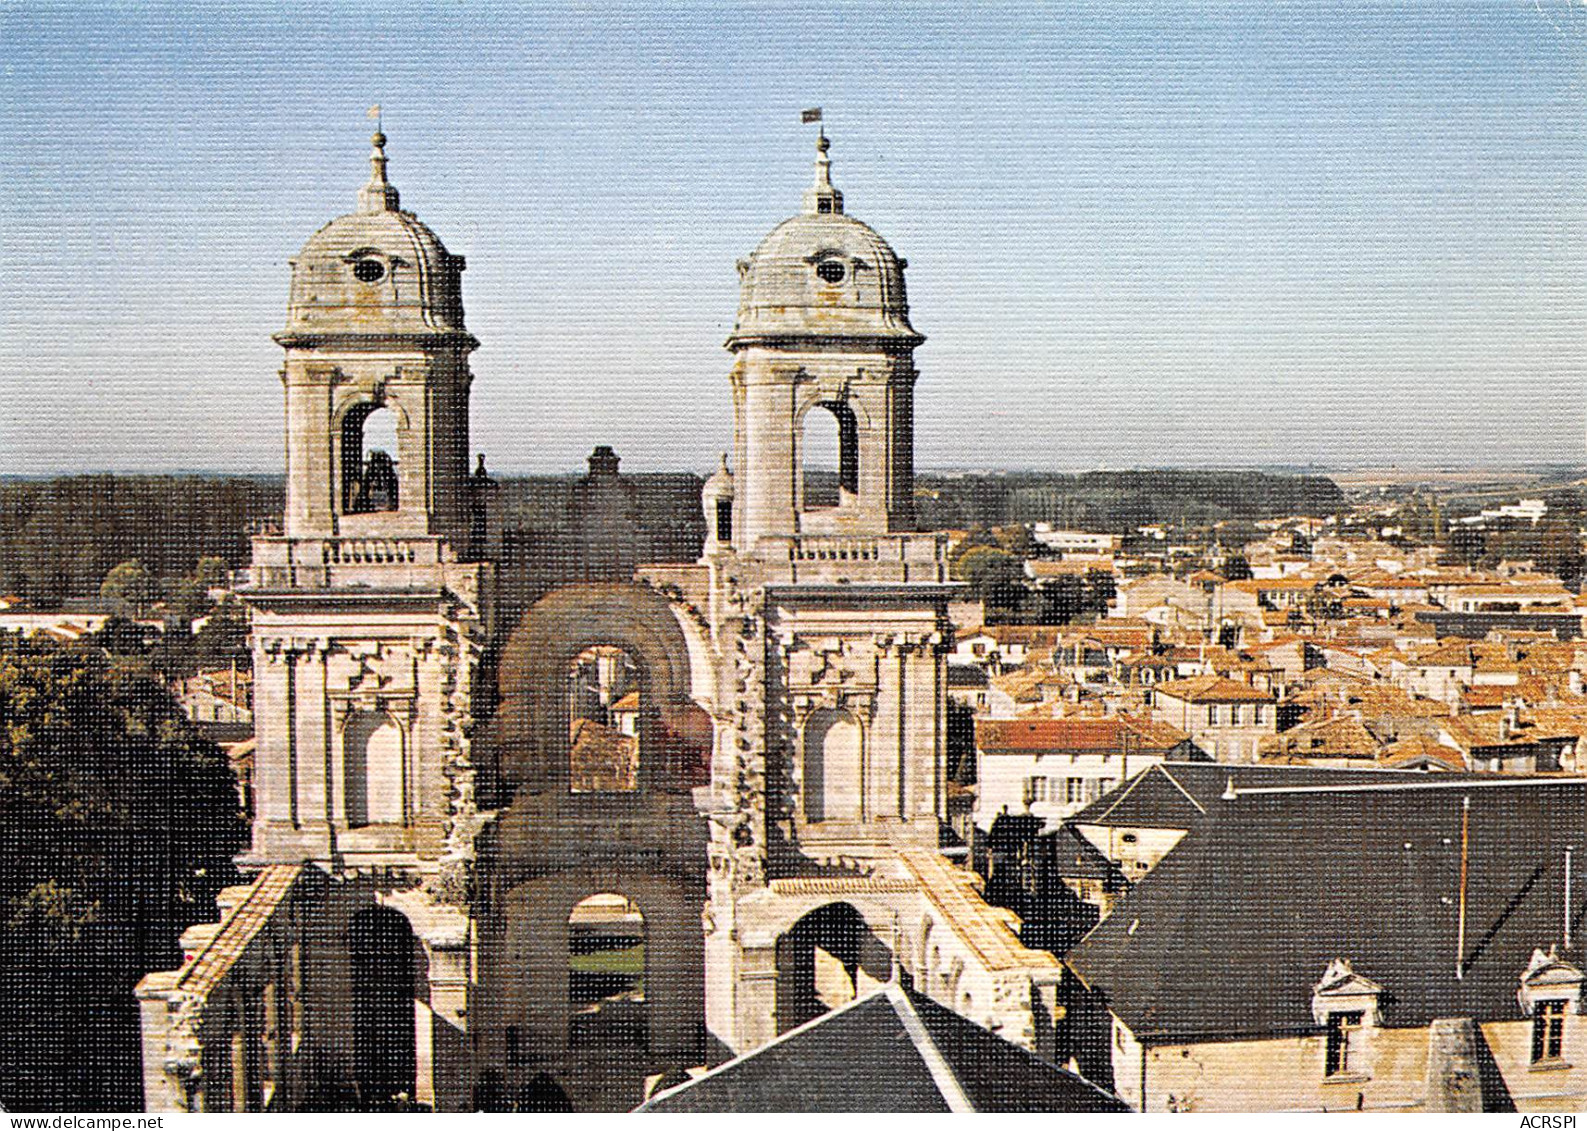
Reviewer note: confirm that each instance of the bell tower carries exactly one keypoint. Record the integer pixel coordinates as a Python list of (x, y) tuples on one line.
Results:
[(823, 332), (369, 613), (377, 377)]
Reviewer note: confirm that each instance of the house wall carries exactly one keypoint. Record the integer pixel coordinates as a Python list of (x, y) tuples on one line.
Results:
[(1003, 778), (1286, 1074), (1233, 739)]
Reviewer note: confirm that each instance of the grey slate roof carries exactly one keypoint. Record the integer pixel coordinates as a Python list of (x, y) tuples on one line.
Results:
[(891, 1050), (1230, 932), (1177, 795)]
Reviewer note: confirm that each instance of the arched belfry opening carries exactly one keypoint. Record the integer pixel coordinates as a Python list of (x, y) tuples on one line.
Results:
[(382, 953), (370, 460), (830, 456), (827, 959)]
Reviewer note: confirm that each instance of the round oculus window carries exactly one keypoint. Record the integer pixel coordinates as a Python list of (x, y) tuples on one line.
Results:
[(369, 270), (830, 270)]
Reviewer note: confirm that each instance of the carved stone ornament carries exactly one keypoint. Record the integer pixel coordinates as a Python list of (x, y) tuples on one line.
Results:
[(1342, 990), (1549, 977)]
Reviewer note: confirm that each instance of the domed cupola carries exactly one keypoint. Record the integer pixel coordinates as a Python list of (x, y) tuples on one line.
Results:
[(822, 276), (377, 379), (374, 273), (822, 342)]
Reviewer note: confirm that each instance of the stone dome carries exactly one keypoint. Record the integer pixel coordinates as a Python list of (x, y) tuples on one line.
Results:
[(719, 485), (377, 272), (822, 275)]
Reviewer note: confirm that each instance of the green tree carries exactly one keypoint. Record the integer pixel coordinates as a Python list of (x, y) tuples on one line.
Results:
[(212, 573), (131, 586), (996, 577), (224, 637), (117, 826)]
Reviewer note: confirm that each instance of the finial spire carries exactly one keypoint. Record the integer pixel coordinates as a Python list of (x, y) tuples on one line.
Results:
[(379, 195), (823, 196)]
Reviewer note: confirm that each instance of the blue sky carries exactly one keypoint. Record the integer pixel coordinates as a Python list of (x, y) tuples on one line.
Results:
[(1138, 235)]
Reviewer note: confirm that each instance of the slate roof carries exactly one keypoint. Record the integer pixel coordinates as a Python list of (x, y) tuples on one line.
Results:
[(892, 1050), (1228, 935), (1177, 795)]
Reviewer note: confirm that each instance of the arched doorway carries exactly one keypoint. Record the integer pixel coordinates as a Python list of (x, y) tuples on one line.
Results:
[(828, 958), (382, 948), (606, 974)]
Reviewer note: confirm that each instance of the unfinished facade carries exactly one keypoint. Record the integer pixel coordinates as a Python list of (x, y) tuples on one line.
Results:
[(650, 824)]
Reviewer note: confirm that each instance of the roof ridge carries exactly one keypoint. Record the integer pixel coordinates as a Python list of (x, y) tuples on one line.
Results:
[(780, 1038), (1188, 796), (936, 1063), (1461, 783)]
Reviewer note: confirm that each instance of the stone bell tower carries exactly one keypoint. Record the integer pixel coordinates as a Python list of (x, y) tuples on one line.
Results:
[(830, 617), (375, 325), (823, 327), (367, 616)]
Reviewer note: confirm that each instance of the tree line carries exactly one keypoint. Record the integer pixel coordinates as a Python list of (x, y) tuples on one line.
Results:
[(60, 538), (1117, 502)]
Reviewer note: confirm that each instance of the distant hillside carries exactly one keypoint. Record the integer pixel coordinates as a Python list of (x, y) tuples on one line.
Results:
[(1119, 501), (59, 537)]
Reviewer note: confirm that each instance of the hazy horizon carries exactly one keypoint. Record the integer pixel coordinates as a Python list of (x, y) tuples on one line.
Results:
[(1215, 235)]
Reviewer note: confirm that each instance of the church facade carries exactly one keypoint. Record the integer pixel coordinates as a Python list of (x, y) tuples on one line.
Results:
[(529, 858)]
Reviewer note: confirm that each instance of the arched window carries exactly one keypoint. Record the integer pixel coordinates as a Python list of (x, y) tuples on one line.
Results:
[(830, 451), (369, 460), (832, 749), (605, 717), (373, 760)]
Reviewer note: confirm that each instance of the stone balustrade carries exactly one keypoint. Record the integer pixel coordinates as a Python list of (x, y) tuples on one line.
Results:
[(860, 558), (376, 563)]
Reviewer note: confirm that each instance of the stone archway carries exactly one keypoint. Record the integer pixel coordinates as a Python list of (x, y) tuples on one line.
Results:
[(826, 959), (530, 734), (610, 660)]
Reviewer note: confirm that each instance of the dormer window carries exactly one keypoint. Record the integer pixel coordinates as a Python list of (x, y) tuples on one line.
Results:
[(1344, 1054), (1548, 1032), (830, 270), (1346, 1005), (368, 270), (1550, 992)]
